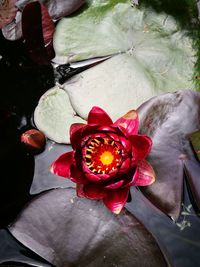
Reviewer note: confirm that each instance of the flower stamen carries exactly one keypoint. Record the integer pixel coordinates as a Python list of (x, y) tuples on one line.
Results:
[(102, 155)]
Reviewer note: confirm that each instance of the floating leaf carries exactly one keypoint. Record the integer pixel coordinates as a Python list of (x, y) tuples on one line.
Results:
[(108, 27), (120, 79), (155, 55), (38, 29), (7, 12), (168, 119), (54, 115), (80, 232)]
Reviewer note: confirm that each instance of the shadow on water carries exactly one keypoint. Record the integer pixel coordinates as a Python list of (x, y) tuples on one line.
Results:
[(22, 84), (186, 14)]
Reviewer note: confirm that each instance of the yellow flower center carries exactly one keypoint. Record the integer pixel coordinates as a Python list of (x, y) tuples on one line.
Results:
[(106, 158), (102, 155)]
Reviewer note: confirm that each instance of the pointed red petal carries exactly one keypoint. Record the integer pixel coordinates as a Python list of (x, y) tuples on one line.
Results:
[(144, 174), (93, 191), (75, 134), (61, 166), (99, 116), (129, 122), (116, 199), (141, 146)]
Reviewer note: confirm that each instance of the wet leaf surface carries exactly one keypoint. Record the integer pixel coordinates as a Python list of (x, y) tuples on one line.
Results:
[(168, 119), (43, 179), (13, 253), (80, 232)]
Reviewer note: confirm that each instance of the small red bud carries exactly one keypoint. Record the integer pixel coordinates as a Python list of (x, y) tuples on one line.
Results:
[(34, 141)]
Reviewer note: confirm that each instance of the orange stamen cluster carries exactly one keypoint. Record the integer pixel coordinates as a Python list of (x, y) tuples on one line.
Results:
[(102, 155)]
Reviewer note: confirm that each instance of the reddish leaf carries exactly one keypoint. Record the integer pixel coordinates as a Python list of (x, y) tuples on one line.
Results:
[(38, 29), (168, 119), (70, 231)]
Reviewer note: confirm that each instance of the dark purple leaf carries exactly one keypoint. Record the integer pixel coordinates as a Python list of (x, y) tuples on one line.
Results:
[(168, 119), (13, 254), (61, 8), (70, 231), (38, 29)]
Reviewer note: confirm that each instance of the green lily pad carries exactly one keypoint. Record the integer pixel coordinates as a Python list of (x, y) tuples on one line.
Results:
[(154, 55), (54, 115), (108, 27)]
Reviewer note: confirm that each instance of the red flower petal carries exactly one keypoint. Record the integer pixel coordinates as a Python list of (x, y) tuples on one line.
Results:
[(90, 175), (125, 143), (126, 164), (89, 130), (141, 146), (115, 185), (75, 134), (114, 136), (61, 166), (116, 199), (144, 174), (129, 122), (99, 116), (77, 176), (107, 129), (93, 191)]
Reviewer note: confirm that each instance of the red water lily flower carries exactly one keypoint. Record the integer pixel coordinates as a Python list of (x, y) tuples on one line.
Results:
[(107, 158)]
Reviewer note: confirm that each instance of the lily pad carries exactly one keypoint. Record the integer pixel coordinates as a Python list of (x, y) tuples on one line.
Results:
[(121, 83), (80, 232), (169, 119), (54, 115), (154, 55), (108, 27)]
